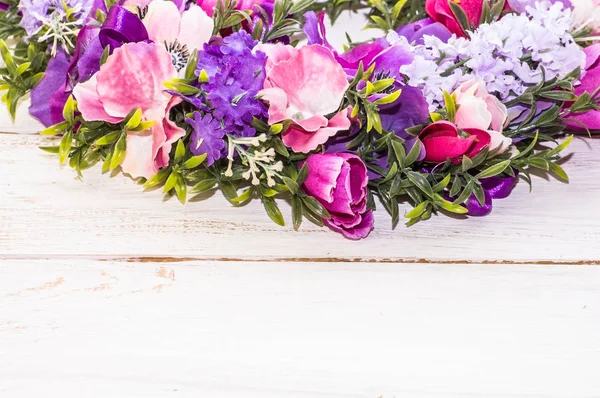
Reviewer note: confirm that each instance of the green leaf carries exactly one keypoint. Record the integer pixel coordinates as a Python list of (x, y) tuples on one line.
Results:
[(315, 207), (181, 189), (449, 206), (273, 211), (561, 147), (134, 120), (467, 163), (456, 185), (420, 182), (190, 69), (56, 129), (65, 146), (193, 162), (388, 99), (399, 151), (105, 55), (279, 147), (108, 138), (450, 104), (244, 196), (171, 182), (466, 193), (69, 110), (559, 172), (179, 151), (440, 186), (296, 212), (118, 153), (106, 163), (413, 154), (204, 185), (479, 194), (417, 211), (563, 96), (50, 149), (539, 163), (302, 174), (529, 147), (229, 191), (158, 178), (494, 170), (291, 185)]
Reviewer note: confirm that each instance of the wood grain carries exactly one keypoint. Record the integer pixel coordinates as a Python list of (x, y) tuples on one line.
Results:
[(208, 329), (45, 211)]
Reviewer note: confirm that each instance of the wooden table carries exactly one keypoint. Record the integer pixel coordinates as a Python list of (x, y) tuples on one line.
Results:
[(107, 291)]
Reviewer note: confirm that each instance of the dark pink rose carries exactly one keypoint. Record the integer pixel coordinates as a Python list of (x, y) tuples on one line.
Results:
[(339, 182), (440, 11), (442, 141)]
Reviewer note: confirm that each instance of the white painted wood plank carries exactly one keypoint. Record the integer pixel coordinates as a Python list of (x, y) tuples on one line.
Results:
[(235, 330), (23, 122), (46, 211)]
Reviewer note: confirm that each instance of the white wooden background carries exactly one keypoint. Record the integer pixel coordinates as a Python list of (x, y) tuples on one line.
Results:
[(106, 291)]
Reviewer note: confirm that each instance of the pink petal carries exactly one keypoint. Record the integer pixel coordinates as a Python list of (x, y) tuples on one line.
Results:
[(133, 78), (441, 128), (498, 140), (196, 28), (313, 80), (592, 56), (312, 124), (88, 102), (278, 102), (276, 53), (304, 141), (162, 21), (172, 133), (360, 231), (498, 111), (483, 139), (323, 172), (438, 149), (473, 113), (139, 158)]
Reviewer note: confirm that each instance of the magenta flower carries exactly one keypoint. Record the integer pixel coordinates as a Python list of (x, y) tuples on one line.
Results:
[(304, 86), (132, 78), (590, 83), (441, 141), (339, 182)]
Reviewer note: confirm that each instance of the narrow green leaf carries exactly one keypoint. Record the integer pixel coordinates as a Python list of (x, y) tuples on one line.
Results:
[(314, 206), (179, 151), (420, 182), (181, 189), (193, 162), (204, 185), (292, 185), (273, 211), (118, 153), (134, 120), (417, 211), (493, 170), (440, 186), (65, 146), (108, 138), (171, 182), (158, 178), (413, 154), (296, 212), (559, 172)]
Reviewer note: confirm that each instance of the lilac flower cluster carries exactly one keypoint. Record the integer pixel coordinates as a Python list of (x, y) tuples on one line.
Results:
[(508, 55), (236, 73), (52, 13)]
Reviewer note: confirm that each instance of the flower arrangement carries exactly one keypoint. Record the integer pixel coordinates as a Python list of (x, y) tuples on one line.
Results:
[(447, 111)]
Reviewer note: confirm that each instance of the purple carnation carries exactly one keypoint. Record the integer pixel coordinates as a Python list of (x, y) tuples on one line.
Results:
[(207, 138), (235, 76)]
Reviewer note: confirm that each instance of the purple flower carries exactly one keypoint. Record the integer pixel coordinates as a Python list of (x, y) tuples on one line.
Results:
[(235, 76), (493, 188), (207, 138), (415, 31), (37, 13), (520, 6), (339, 182), (50, 95)]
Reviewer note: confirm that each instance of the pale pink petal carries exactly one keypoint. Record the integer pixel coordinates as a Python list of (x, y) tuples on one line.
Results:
[(172, 133), (473, 113), (312, 124), (304, 141), (276, 53), (162, 21), (133, 78), (313, 80), (278, 102), (498, 111), (88, 102), (498, 140), (139, 159), (196, 28)]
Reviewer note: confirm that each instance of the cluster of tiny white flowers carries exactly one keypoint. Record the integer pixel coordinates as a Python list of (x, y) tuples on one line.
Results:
[(257, 161)]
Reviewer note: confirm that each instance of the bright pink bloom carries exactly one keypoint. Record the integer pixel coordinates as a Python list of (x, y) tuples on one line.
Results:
[(442, 141), (477, 109), (590, 83), (339, 182), (304, 86), (440, 11), (132, 78)]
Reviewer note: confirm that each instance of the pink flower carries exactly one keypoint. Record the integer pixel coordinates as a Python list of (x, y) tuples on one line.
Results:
[(304, 86), (442, 141), (132, 78), (245, 5), (590, 83), (339, 182), (477, 109), (181, 33), (440, 11)]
